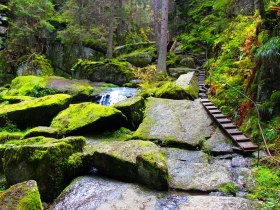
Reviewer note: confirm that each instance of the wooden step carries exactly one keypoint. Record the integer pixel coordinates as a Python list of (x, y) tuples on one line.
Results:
[(219, 116), (240, 138), (211, 107), (205, 100), (248, 146), (224, 120), (229, 125), (215, 111), (234, 131), (208, 104)]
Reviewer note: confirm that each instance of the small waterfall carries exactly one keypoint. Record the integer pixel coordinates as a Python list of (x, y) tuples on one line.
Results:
[(114, 95)]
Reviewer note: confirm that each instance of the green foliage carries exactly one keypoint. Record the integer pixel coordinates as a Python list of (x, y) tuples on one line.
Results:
[(267, 189), (28, 30), (229, 188), (7, 125), (171, 59)]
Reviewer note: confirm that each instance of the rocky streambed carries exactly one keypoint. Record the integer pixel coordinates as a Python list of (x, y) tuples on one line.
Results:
[(153, 153)]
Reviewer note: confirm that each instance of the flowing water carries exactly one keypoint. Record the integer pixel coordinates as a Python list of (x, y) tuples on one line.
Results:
[(114, 95)]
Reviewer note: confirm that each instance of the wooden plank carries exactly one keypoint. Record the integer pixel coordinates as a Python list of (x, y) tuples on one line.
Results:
[(216, 111), (223, 120), (234, 131), (240, 138), (247, 145), (229, 125), (219, 116)]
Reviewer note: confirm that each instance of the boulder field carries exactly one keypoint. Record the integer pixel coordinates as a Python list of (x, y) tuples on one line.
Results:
[(174, 145)]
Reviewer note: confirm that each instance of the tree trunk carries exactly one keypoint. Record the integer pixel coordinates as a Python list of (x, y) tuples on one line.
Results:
[(161, 65), (156, 23), (110, 33)]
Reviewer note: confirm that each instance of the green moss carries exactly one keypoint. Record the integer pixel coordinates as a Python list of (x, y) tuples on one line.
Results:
[(88, 117), (21, 196), (41, 131), (7, 136), (41, 62), (229, 188), (34, 112), (14, 99), (123, 134), (27, 85), (39, 156)]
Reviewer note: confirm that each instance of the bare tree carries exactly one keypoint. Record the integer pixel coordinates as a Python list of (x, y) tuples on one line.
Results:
[(161, 65)]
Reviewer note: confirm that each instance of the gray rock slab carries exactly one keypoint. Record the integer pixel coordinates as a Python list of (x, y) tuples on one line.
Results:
[(218, 143), (189, 170), (175, 122), (216, 203), (92, 192)]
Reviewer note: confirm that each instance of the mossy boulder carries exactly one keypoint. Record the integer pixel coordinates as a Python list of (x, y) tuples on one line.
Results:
[(24, 195), (172, 91), (141, 57), (112, 71), (189, 82), (169, 90), (41, 159), (6, 136), (80, 90), (41, 131), (14, 99), (36, 112), (126, 49), (134, 161), (133, 109), (88, 118), (182, 123)]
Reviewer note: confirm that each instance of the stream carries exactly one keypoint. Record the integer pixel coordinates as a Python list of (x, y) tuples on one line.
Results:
[(116, 94)]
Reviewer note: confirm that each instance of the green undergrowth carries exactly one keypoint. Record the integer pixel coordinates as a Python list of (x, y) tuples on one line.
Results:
[(229, 188), (267, 187)]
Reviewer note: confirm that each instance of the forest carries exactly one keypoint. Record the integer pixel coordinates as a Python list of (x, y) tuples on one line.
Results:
[(140, 104)]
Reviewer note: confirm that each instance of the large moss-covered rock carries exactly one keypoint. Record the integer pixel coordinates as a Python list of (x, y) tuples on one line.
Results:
[(189, 82), (141, 57), (41, 131), (171, 90), (41, 159), (178, 122), (88, 118), (135, 161), (35, 112), (24, 195), (133, 109), (126, 49), (113, 71), (80, 90)]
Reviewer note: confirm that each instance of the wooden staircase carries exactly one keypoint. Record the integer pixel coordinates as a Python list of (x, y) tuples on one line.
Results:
[(244, 143)]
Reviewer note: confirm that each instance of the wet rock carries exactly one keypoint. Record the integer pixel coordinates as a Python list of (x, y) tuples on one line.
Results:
[(92, 192), (218, 144), (100, 193), (135, 161), (41, 159), (175, 122), (88, 118), (189, 82), (216, 203), (176, 72), (24, 195), (41, 131), (133, 109), (37, 112)]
